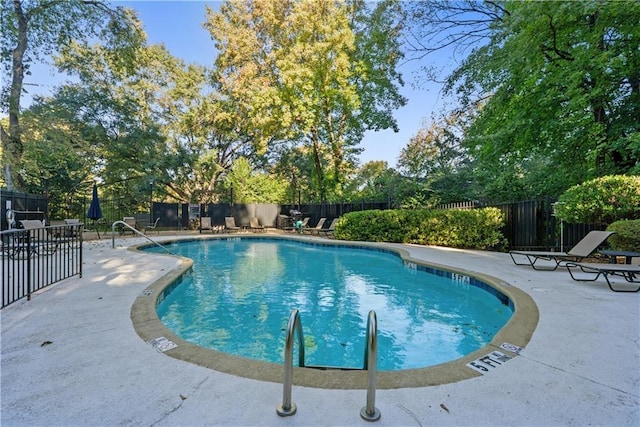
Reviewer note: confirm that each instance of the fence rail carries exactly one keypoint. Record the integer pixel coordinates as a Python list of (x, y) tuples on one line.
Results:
[(468, 204), (529, 224), (532, 225), (36, 258)]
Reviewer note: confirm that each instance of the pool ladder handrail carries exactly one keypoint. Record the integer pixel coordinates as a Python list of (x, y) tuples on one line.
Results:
[(287, 407), (113, 235), (369, 412)]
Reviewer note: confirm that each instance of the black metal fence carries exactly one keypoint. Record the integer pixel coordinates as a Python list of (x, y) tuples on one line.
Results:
[(330, 210), (23, 206), (36, 258), (532, 225), (269, 214), (113, 209), (529, 224)]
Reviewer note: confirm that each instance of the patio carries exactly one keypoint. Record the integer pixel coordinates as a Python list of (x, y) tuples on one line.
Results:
[(70, 356)]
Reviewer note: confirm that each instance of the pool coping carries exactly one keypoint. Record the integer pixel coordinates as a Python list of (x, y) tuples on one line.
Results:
[(518, 331)]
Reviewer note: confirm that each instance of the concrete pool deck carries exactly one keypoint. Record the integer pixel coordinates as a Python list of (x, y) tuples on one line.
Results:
[(71, 356)]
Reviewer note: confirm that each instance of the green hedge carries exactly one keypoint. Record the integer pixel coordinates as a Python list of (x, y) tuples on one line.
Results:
[(627, 237), (469, 229), (602, 200)]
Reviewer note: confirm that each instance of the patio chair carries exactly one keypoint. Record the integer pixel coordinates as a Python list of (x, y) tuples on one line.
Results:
[(205, 224), (317, 228), (35, 227), (581, 250), (57, 230), (151, 226), (304, 224), (255, 226), (329, 231), (73, 231), (57, 224), (131, 222), (230, 224), (631, 273), (28, 241)]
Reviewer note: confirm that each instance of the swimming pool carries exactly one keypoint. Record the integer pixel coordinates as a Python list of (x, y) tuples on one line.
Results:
[(238, 297)]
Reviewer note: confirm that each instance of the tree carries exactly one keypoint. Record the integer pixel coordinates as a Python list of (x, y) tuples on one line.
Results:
[(369, 182), (125, 109), (34, 29), (557, 87), (250, 186), (211, 134), (295, 73), (435, 156), (459, 26), (376, 181), (157, 121), (295, 165), (56, 155), (434, 150)]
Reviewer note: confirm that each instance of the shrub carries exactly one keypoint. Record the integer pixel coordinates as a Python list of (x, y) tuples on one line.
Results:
[(372, 226), (471, 229), (601, 200), (627, 237)]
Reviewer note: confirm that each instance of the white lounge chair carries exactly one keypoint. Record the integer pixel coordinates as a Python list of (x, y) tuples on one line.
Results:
[(151, 226), (131, 222)]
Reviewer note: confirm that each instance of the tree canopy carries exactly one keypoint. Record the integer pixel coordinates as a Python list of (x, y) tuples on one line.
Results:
[(317, 73), (556, 86), (33, 30), (544, 96)]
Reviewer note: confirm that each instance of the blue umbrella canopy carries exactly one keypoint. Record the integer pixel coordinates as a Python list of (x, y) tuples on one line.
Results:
[(95, 212)]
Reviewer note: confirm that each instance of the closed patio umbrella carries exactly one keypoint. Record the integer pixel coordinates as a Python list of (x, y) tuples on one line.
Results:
[(95, 213)]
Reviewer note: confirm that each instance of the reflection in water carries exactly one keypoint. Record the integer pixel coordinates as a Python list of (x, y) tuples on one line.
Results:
[(241, 293), (256, 269)]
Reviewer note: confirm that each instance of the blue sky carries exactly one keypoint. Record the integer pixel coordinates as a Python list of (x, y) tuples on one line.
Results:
[(178, 25)]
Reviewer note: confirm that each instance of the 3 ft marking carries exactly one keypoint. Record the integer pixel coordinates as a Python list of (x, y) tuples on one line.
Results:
[(489, 362)]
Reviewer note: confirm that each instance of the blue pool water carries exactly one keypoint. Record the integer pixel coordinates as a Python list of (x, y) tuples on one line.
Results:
[(241, 291)]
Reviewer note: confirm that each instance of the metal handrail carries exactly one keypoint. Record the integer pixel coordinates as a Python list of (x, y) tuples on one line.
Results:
[(113, 235), (32, 259), (287, 407), (370, 412)]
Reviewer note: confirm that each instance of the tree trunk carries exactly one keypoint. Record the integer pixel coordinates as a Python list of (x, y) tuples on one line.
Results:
[(598, 103), (12, 141), (318, 166)]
